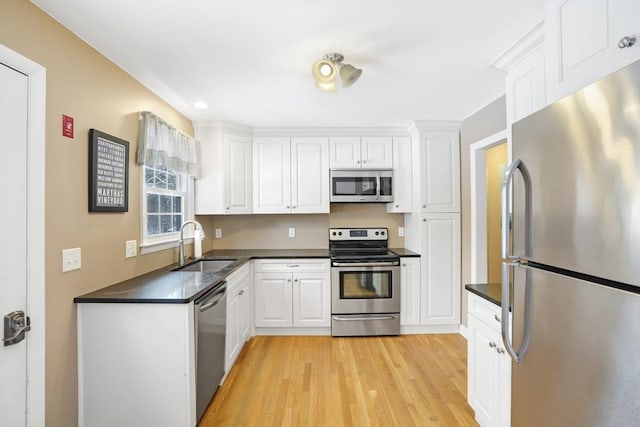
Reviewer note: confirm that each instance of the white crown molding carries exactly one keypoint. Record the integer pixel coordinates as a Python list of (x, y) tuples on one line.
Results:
[(330, 131), (433, 125), (520, 49), (218, 125)]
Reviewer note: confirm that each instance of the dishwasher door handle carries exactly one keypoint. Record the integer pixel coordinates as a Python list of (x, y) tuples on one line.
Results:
[(214, 299)]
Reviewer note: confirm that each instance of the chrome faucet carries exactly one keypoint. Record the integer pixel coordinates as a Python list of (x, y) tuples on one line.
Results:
[(197, 226)]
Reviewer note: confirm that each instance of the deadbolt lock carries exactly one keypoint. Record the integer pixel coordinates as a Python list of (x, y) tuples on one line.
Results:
[(16, 324)]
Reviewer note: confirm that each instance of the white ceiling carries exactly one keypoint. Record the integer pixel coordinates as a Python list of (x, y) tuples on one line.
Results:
[(250, 60)]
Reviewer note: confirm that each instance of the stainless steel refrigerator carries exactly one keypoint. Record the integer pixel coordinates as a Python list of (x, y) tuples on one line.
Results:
[(571, 252)]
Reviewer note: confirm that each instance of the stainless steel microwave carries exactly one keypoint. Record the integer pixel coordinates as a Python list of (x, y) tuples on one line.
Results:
[(361, 185)]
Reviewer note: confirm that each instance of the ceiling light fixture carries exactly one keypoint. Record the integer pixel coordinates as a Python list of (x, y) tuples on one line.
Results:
[(200, 105), (326, 70)]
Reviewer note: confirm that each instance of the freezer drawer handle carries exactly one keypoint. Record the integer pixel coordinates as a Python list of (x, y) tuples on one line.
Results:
[(516, 355), (506, 207)]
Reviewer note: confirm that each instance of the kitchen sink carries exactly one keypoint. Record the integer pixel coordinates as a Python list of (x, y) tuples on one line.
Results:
[(207, 265)]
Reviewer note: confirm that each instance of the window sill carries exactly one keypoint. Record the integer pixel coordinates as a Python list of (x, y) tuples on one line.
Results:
[(149, 248)]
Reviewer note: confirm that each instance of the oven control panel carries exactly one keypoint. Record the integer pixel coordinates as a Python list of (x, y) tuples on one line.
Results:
[(358, 234)]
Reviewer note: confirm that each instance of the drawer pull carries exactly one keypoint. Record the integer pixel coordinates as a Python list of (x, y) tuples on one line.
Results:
[(293, 265), (495, 316)]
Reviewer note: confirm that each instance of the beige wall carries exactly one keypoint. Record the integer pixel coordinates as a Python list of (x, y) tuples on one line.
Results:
[(489, 120), (496, 158), (271, 231), (85, 85)]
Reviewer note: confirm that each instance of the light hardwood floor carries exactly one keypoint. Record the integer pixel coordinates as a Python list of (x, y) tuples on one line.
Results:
[(409, 380)]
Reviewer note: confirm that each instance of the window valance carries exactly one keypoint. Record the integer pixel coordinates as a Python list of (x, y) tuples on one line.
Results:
[(162, 145)]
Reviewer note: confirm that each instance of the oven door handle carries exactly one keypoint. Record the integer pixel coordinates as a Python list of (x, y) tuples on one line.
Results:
[(365, 264), (351, 318)]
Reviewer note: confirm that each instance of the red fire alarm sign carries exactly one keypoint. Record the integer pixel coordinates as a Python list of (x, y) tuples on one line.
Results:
[(67, 126)]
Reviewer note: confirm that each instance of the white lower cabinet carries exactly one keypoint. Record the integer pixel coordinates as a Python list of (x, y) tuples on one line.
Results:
[(292, 293), (489, 365), (410, 291), (239, 314), (136, 365)]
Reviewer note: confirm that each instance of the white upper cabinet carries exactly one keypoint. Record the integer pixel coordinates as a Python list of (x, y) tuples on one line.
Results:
[(344, 152), (377, 152), (290, 175), (272, 175), (355, 152), (310, 175), (402, 176), (583, 38), (436, 160), (224, 186), (524, 64), (237, 169)]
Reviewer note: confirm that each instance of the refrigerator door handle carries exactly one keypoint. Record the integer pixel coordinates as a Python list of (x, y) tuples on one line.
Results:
[(516, 355), (506, 205)]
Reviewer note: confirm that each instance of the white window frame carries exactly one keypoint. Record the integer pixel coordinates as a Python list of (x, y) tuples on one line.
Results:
[(150, 244)]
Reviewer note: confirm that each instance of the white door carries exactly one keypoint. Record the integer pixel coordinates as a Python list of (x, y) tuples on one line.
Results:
[(22, 125), (377, 152), (344, 152), (238, 166), (310, 175), (13, 256), (271, 175), (273, 300), (312, 299)]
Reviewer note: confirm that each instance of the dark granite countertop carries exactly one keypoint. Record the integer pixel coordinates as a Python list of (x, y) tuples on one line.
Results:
[(404, 252), (180, 287), (492, 292)]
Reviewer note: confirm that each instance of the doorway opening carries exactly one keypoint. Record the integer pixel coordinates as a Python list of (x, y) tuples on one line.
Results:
[(488, 159)]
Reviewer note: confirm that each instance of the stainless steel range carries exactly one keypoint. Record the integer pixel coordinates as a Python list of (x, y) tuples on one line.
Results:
[(365, 283)]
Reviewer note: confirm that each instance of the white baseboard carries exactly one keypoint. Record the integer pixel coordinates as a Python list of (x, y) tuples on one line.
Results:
[(292, 331), (429, 329), (464, 332)]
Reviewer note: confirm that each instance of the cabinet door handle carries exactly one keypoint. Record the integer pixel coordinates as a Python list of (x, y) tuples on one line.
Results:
[(227, 208), (295, 280), (492, 344), (293, 207), (358, 162), (241, 292), (424, 206), (626, 41), (500, 350), (289, 280), (495, 316), (364, 161), (287, 207)]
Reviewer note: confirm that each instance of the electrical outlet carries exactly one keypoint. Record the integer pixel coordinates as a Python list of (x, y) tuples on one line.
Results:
[(218, 233), (292, 232), (71, 259), (400, 231), (131, 248)]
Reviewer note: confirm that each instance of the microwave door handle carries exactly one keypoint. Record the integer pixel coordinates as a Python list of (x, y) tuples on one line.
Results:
[(378, 186)]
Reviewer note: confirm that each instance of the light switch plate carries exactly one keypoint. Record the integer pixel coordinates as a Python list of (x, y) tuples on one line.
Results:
[(218, 233), (131, 248), (71, 259), (292, 232)]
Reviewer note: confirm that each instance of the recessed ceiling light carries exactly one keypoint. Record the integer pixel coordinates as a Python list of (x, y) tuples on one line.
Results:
[(200, 105)]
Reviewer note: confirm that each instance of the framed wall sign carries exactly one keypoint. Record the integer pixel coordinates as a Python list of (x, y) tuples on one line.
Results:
[(108, 173)]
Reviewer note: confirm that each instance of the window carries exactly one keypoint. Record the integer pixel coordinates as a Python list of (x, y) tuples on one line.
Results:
[(169, 160), (166, 199)]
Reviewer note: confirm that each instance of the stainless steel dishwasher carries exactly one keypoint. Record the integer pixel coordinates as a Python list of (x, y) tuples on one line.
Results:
[(211, 325)]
